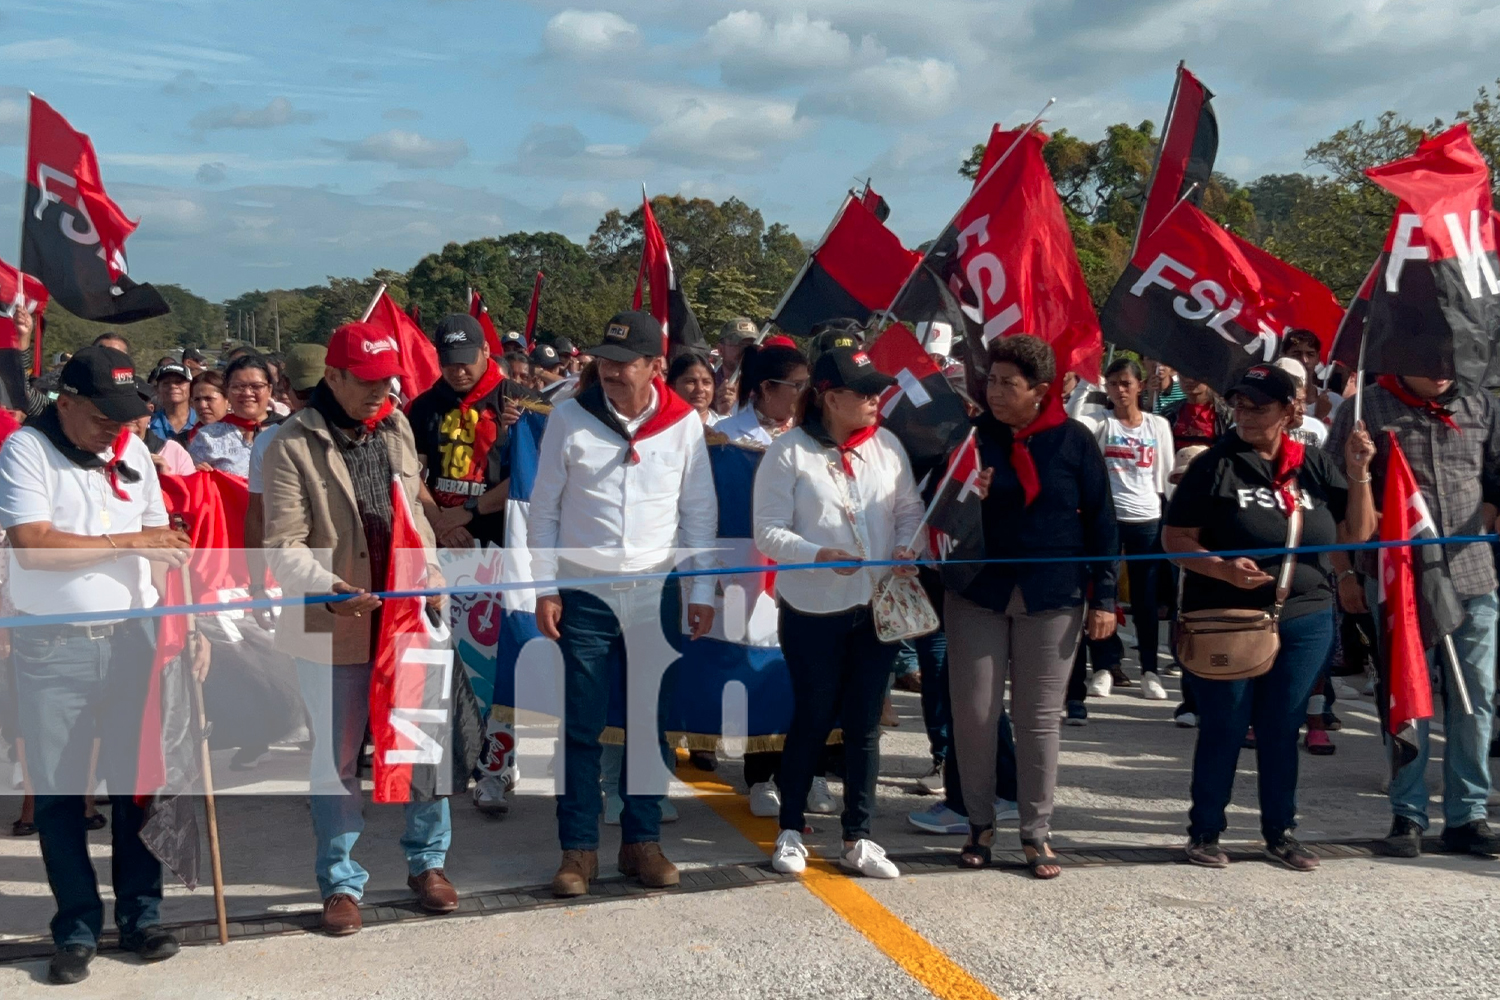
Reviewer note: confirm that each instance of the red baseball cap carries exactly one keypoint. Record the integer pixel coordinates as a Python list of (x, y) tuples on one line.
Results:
[(365, 351)]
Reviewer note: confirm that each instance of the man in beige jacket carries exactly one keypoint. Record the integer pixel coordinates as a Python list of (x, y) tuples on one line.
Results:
[(327, 479)]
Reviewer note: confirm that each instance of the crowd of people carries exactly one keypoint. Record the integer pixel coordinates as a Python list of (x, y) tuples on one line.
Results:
[(1150, 464)]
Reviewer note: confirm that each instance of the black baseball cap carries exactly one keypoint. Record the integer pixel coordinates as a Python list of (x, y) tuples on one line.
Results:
[(845, 326), (192, 354), (106, 378), (173, 369), (546, 356), (459, 339), (849, 368), (1265, 384), (564, 347), (630, 335)]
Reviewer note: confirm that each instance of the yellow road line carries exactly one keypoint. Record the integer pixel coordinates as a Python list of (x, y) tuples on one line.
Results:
[(922, 960)]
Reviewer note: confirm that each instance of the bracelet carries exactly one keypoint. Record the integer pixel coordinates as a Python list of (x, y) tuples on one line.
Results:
[(1361, 481), (111, 542), (1344, 573)]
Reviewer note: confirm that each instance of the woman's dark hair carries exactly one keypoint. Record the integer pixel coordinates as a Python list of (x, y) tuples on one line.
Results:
[(212, 378), (256, 361), (1032, 357), (1125, 364), (686, 361), (762, 364)]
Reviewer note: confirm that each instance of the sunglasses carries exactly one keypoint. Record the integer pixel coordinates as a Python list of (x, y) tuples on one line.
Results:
[(798, 385)]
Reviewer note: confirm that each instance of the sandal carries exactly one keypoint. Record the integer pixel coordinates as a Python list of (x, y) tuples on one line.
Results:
[(976, 853), (21, 828), (95, 822), (1042, 859)]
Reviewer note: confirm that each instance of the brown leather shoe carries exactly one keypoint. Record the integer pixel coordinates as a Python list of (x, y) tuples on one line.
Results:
[(573, 875), (646, 862), (435, 893), (341, 915)]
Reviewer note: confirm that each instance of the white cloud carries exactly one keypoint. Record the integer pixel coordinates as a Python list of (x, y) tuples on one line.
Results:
[(401, 114), (587, 34), (895, 90), (759, 53), (408, 150), (697, 126), (563, 151), (185, 84), (14, 107), (274, 115), (212, 173)]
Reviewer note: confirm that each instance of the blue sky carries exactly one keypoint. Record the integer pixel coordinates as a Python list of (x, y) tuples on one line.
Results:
[(269, 144)]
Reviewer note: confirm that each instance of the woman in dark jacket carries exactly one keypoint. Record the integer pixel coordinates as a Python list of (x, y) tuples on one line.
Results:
[(1048, 499), (1238, 496)]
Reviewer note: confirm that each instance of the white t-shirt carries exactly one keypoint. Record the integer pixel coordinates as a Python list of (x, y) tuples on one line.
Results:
[(37, 483), (1132, 454), (1312, 432), (258, 457)]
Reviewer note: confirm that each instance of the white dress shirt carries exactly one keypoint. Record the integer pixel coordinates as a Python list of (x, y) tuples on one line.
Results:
[(618, 517), (799, 509)]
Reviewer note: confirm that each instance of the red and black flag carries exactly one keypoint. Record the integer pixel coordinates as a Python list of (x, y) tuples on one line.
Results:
[(1435, 308), (1185, 158), (426, 730), (1007, 265), (856, 270), (18, 289), (72, 233), (1211, 305), (536, 298), (957, 523), (481, 312), (669, 305), (877, 205), (1351, 332), (922, 408), (1404, 603)]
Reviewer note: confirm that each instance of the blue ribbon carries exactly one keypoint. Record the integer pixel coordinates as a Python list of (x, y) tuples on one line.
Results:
[(161, 611)]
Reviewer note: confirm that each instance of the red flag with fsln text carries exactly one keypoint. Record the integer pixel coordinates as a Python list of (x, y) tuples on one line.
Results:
[(1403, 516)]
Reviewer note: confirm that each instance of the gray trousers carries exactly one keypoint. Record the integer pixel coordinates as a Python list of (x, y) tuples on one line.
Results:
[(1036, 652)]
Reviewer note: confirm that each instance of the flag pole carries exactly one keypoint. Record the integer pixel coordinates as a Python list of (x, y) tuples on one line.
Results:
[(937, 494), (206, 763), (896, 300), (1461, 689), (1160, 146), (375, 299), (1359, 384)]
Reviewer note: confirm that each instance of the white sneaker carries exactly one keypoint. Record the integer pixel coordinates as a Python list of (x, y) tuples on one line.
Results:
[(1101, 684), (931, 783), (868, 858), (765, 799), (1006, 810), (820, 800), (790, 856), (1187, 720), (1151, 688), (490, 795)]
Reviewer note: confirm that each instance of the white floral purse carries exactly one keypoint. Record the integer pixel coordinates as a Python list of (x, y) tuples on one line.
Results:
[(900, 607)]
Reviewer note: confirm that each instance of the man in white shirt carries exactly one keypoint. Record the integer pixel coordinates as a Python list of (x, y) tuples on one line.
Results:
[(623, 479), (79, 498), (1306, 428)]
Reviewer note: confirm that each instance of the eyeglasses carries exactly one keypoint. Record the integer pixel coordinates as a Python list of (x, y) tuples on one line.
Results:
[(798, 385), (255, 387)]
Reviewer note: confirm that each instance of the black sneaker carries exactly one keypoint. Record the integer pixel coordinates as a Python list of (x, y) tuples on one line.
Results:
[(1078, 714), (1206, 852), (1289, 852), (70, 964), (1404, 840), (152, 944), (1332, 722), (1471, 838)]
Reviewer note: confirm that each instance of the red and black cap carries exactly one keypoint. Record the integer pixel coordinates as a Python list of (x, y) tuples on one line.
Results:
[(1264, 384), (849, 368), (106, 378)]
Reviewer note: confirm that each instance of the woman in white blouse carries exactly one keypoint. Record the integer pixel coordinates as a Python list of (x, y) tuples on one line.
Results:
[(773, 378), (836, 488), (226, 445)]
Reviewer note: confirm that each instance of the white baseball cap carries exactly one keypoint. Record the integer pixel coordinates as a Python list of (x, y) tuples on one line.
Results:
[(1294, 368), (937, 335)]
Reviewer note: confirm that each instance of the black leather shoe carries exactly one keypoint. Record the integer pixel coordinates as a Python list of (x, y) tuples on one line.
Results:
[(1404, 840), (152, 944), (1472, 838), (70, 964)]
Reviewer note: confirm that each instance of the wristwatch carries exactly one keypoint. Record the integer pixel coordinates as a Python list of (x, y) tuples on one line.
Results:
[(472, 505)]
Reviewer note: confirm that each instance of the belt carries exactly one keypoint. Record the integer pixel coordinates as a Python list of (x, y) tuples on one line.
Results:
[(72, 631)]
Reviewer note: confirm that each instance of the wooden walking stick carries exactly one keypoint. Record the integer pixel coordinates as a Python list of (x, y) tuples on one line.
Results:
[(200, 717)]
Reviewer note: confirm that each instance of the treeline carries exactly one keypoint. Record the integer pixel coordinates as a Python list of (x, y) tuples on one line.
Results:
[(1329, 221)]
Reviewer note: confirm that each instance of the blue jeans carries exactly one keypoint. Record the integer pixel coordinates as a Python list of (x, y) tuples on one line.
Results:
[(937, 713), (593, 648), (338, 702), (1466, 761), (1276, 704), (64, 692)]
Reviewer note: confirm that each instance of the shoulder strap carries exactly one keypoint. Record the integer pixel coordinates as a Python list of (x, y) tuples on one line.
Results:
[(1289, 561)]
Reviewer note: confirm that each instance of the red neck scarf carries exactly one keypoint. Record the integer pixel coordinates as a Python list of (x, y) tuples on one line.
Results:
[(1284, 473), (243, 423), (1051, 415), (492, 377), (670, 408), (112, 466), (853, 441), (1431, 408), (373, 422)]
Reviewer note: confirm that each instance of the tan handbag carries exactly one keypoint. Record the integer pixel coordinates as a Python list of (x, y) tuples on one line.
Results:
[(1234, 644)]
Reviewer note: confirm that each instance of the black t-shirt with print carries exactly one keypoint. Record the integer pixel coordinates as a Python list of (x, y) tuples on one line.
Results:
[(465, 455), (1227, 495)]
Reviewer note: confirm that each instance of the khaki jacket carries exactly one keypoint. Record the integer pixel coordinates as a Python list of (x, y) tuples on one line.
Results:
[(314, 535)]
